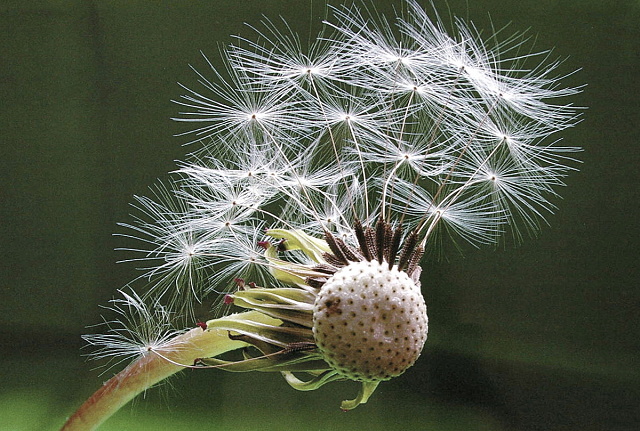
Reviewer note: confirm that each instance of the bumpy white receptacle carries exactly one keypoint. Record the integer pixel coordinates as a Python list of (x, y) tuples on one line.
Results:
[(369, 321)]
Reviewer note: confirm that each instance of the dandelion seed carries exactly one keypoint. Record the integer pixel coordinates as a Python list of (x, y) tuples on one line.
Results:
[(137, 330)]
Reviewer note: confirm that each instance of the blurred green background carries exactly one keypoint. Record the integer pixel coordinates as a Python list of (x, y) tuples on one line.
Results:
[(540, 337)]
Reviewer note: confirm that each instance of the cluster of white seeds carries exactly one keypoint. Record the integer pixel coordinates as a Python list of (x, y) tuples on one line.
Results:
[(427, 138), (369, 321)]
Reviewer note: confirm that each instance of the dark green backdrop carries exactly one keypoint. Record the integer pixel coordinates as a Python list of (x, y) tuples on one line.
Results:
[(540, 337)]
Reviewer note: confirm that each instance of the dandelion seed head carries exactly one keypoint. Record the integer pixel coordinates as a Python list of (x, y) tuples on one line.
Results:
[(380, 143)]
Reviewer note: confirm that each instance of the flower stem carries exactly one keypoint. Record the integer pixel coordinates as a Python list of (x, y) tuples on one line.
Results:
[(147, 371)]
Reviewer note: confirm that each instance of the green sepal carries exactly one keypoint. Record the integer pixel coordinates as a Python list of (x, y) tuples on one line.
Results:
[(272, 332), (284, 362), (299, 240), (313, 384), (366, 390), (246, 316), (287, 304), (287, 272), (286, 297)]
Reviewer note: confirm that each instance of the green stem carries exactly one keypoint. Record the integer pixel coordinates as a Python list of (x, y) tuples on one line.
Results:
[(149, 370)]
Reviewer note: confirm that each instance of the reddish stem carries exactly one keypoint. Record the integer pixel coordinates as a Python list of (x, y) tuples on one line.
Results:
[(146, 372)]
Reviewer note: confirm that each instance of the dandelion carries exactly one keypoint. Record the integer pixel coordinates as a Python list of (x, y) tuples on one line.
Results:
[(322, 179)]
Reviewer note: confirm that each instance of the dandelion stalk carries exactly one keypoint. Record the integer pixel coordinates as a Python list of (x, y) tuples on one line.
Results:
[(151, 368)]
